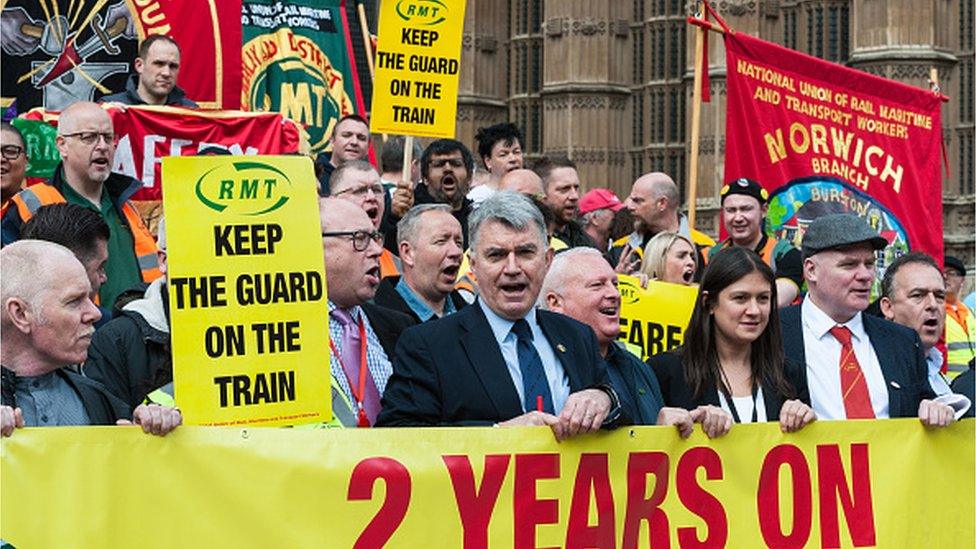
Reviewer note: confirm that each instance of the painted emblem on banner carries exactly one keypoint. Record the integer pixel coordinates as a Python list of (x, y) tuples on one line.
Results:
[(795, 205), (288, 73)]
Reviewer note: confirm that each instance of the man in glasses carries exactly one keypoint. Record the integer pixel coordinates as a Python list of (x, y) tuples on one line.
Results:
[(363, 335), (358, 182), (86, 142), (13, 167)]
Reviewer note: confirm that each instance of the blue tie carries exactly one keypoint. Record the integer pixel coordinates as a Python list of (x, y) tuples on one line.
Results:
[(534, 382)]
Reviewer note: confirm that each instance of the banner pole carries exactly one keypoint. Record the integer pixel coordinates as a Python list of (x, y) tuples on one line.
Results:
[(367, 42), (695, 126), (407, 160)]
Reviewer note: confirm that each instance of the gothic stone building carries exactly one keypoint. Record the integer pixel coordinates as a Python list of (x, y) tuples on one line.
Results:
[(609, 82)]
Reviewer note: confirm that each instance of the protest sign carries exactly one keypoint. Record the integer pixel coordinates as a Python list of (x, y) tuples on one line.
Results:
[(246, 291), (297, 60), (654, 318), (830, 139), (418, 58), (884, 483)]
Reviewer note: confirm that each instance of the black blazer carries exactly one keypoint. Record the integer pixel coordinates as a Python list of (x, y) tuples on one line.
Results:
[(899, 352), (670, 375), (451, 371), (387, 296), (388, 325)]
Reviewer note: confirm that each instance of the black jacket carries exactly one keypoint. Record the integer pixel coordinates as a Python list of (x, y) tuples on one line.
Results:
[(899, 352), (130, 356), (387, 296), (574, 235), (670, 374), (130, 96), (451, 371), (102, 408), (388, 325), (120, 188)]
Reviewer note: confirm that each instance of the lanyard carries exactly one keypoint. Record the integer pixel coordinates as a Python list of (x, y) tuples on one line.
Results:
[(727, 393), (359, 395)]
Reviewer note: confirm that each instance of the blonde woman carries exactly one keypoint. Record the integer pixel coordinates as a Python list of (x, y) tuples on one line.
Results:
[(670, 257)]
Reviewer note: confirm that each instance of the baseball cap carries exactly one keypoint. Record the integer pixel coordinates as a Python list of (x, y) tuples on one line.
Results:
[(598, 199)]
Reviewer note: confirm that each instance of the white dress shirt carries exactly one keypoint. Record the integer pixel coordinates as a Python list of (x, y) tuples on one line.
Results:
[(508, 343), (823, 363)]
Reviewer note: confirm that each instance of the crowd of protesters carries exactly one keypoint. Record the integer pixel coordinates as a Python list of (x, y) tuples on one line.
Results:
[(456, 303)]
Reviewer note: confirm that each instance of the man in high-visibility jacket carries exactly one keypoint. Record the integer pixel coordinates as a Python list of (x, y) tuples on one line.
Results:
[(960, 332), (86, 142)]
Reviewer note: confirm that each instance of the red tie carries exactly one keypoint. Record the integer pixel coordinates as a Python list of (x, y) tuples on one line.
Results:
[(857, 401)]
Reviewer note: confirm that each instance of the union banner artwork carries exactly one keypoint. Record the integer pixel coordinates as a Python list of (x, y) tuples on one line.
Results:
[(297, 61), (884, 483), (824, 138), (653, 319), (247, 291), (56, 52)]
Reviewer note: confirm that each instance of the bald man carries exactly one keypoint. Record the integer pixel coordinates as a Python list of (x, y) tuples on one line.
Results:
[(46, 323), (523, 181), (86, 143), (655, 204)]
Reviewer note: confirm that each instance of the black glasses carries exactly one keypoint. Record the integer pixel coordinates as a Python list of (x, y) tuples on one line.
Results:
[(11, 152), (360, 239), (90, 138), (441, 162)]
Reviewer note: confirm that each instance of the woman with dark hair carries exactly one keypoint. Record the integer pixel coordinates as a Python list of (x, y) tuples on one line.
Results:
[(731, 366)]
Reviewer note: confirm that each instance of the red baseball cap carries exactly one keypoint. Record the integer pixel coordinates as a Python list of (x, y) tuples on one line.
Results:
[(598, 199)]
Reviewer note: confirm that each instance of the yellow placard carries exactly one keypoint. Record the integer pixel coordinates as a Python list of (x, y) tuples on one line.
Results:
[(247, 294), (418, 57), (654, 318), (884, 483)]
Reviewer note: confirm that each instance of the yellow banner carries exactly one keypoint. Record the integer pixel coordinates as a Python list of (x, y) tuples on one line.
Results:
[(886, 483), (654, 318), (247, 290), (418, 56)]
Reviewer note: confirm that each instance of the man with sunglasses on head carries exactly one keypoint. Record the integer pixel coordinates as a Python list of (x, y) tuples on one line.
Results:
[(357, 181), (86, 143), (362, 335)]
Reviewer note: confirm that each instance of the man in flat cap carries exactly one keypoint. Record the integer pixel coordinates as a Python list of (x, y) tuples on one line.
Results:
[(744, 204), (858, 366)]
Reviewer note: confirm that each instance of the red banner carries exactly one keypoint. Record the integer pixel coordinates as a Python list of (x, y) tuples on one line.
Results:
[(209, 34), (146, 134), (823, 138)]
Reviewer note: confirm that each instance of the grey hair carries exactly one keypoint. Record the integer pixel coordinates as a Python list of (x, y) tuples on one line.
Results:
[(563, 267), (655, 253), (352, 165), (511, 209), (26, 265), (407, 227)]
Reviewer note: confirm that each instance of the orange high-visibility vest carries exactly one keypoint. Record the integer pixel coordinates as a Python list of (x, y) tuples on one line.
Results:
[(389, 264), (29, 200)]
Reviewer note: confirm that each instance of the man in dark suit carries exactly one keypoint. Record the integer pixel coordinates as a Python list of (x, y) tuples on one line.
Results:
[(500, 361), (858, 366), (429, 243), (362, 335)]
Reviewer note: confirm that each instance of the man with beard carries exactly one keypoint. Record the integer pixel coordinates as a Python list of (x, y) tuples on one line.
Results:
[(363, 335), (446, 167), (913, 294), (500, 151), (654, 203), (86, 142), (357, 181), (561, 185), (430, 254)]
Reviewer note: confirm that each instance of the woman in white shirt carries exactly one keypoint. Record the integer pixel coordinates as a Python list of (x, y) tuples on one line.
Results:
[(731, 367)]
